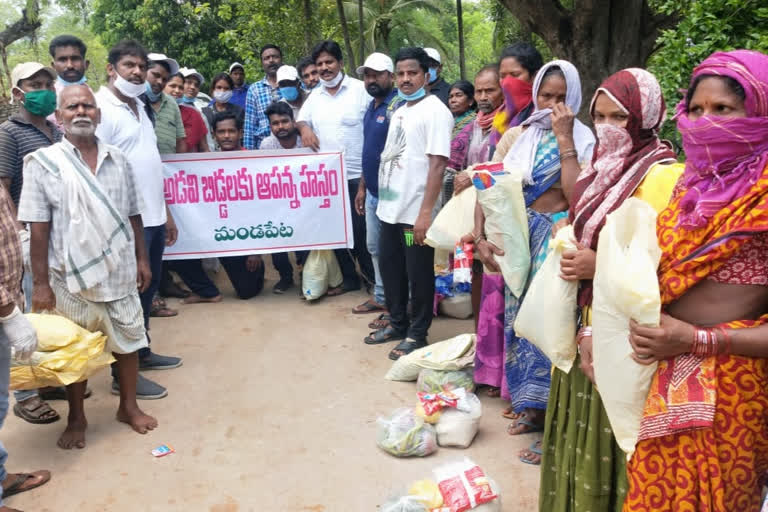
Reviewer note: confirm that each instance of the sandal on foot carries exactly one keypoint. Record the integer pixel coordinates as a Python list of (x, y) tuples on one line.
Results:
[(369, 306), (530, 426), (161, 310), (510, 413), (405, 347), (36, 411), (381, 322), (60, 393), (526, 455), (16, 483), (384, 335)]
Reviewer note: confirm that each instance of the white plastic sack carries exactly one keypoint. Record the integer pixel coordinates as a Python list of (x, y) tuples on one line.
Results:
[(456, 219), (625, 287), (321, 271), (465, 486), (459, 428), (506, 226), (452, 354), (548, 315), (459, 306), (404, 434)]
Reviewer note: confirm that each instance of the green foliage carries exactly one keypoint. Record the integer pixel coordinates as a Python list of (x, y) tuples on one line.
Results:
[(705, 26)]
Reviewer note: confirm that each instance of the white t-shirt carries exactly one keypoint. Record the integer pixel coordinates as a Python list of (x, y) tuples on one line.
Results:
[(414, 132), (135, 137), (338, 121)]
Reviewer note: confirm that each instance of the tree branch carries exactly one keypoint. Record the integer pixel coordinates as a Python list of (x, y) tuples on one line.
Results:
[(543, 17), (22, 28)]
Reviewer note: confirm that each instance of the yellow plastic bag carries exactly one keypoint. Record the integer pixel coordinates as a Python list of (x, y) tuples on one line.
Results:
[(66, 353), (547, 316), (506, 226), (427, 492), (625, 287)]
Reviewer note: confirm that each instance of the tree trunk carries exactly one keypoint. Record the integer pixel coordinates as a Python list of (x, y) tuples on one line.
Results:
[(309, 32), (26, 26), (462, 58), (599, 37), (347, 41), (361, 29)]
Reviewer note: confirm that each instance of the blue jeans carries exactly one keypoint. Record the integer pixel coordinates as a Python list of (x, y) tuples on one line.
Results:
[(372, 228), (5, 371), (154, 240)]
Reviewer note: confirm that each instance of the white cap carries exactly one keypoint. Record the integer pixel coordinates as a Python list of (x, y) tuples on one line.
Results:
[(377, 62), (160, 57), (28, 70), (434, 55), (188, 72), (288, 73), (236, 65)]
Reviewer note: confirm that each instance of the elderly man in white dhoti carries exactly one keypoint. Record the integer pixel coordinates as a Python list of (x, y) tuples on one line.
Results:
[(87, 248)]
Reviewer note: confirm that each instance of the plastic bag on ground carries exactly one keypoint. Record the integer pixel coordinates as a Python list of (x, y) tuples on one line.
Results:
[(435, 381), (506, 222), (404, 434), (66, 353), (625, 287), (321, 272), (465, 486), (451, 354), (548, 314), (404, 504), (456, 219), (459, 428), (458, 306)]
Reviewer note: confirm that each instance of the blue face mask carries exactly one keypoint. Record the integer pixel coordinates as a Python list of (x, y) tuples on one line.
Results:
[(185, 101), (432, 75), (151, 95), (412, 97), (289, 93), (65, 83)]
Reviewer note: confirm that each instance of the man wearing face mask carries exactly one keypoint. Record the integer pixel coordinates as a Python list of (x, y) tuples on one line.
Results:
[(332, 119), (410, 178), (26, 132), (260, 95), (125, 124), (169, 128), (377, 73), (290, 88), (436, 85), (68, 54)]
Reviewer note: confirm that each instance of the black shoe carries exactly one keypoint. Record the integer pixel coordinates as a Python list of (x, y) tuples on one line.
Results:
[(282, 286)]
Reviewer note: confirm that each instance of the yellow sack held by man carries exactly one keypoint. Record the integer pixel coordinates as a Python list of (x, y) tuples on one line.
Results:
[(66, 353)]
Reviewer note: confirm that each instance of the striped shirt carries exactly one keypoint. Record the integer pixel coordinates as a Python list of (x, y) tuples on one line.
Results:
[(260, 95), (41, 201), (18, 138), (168, 125), (10, 254)]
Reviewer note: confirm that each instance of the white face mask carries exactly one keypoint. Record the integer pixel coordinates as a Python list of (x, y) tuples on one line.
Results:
[(330, 84), (129, 88), (222, 96)]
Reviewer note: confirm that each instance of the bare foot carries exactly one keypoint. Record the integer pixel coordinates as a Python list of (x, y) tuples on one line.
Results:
[(140, 422), (196, 299), (493, 392), (74, 435)]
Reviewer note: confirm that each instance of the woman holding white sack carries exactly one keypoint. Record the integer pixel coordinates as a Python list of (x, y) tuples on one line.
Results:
[(583, 468), (549, 148)]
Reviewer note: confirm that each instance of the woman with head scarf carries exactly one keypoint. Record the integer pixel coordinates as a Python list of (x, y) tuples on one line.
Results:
[(550, 148), (461, 102), (583, 467), (704, 434)]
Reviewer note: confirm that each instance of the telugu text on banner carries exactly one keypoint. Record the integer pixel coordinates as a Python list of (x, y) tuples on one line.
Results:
[(253, 202)]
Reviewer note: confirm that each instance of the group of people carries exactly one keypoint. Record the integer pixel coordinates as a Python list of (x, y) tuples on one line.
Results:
[(83, 226)]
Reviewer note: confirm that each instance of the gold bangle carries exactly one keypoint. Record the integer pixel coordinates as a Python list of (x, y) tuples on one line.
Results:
[(571, 153)]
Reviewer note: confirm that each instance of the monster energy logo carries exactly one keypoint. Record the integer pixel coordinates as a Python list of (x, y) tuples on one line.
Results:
[(408, 238)]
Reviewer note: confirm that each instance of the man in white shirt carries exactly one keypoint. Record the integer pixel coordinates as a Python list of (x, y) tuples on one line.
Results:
[(410, 177), (332, 119), (124, 124)]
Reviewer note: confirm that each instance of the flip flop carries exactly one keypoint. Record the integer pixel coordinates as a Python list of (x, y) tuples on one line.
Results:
[(369, 306), (535, 449), (406, 347), (16, 485), (384, 335), (523, 420), (381, 322), (510, 414)]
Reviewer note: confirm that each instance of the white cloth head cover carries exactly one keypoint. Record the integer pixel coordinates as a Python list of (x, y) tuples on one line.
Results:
[(523, 153)]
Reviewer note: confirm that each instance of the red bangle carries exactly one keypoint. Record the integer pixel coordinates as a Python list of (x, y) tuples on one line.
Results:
[(728, 341)]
